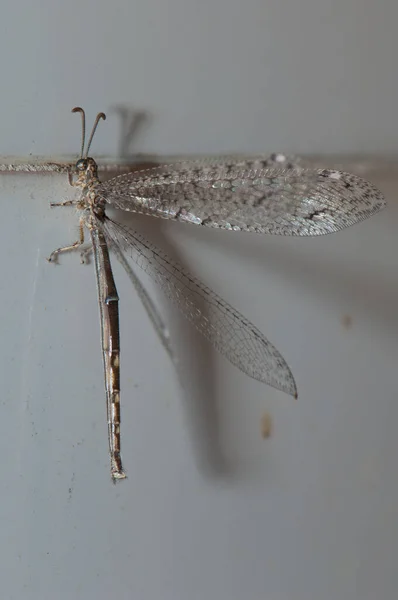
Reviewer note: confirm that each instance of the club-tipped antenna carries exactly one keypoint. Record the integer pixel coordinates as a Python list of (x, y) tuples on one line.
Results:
[(100, 116), (81, 111), (97, 120)]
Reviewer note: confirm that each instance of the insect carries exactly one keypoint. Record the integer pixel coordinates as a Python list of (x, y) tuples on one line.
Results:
[(260, 195)]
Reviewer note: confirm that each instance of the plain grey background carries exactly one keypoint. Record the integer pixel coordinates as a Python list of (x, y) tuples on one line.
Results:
[(210, 509), (215, 76)]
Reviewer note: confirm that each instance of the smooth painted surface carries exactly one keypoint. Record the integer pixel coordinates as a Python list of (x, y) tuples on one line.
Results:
[(201, 76), (211, 508)]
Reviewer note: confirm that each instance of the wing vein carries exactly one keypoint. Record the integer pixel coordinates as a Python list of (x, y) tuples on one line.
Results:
[(230, 332)]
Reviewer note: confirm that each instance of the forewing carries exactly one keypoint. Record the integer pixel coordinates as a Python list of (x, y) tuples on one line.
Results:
[(247, 196), (229, 332)]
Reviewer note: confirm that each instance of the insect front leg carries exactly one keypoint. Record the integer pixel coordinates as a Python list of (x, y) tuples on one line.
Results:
[(53, 256), (65, 203)]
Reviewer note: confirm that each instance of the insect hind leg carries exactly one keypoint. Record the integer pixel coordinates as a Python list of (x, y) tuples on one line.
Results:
[(54, 255), (85, 254)]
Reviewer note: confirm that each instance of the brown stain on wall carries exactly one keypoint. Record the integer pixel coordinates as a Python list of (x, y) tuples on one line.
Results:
[(346, 321), (266, 426)]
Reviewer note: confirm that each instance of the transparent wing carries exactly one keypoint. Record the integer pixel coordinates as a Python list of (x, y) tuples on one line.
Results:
[(247, 196), (149, 306), (229, 332)]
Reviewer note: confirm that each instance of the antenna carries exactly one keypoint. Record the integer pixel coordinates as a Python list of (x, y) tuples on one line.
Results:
[(100, 116)]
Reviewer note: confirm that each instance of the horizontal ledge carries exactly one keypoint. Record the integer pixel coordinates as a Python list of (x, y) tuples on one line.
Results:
[(361, 165)]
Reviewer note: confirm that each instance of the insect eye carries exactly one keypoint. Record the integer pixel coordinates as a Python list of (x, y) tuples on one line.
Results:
[(81, 164)]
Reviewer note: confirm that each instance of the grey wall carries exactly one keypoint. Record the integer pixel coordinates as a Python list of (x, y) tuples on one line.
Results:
[(210, 510), (310, 75)]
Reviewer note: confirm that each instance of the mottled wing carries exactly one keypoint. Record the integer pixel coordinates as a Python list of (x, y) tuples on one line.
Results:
[(229, 332), (244, 196)]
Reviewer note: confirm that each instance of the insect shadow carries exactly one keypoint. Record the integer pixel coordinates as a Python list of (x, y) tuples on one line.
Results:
[(133, 125), (313, 265), (194, 364)]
